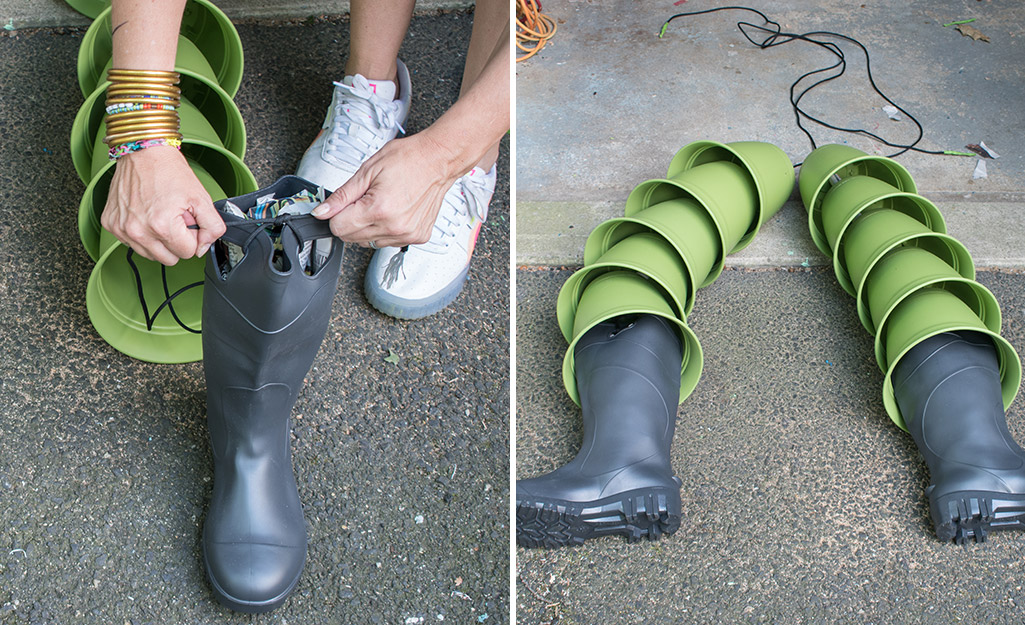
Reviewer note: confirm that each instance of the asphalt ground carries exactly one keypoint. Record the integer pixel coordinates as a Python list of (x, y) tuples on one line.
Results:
[(105, 470), (802, 501)]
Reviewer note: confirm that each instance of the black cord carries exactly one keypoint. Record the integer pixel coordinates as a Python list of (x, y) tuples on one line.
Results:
[(775, 37), (150, 320)]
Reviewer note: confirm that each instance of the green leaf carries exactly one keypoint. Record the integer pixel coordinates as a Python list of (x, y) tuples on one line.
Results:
[(392, 357)]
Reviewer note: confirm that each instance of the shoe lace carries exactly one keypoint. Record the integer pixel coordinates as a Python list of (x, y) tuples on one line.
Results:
[(468, 198), (358, 104), (465, 202), (393, 269)]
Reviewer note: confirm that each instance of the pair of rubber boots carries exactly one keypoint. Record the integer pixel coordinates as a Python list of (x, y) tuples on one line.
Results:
[(263, 323), (621, 481)]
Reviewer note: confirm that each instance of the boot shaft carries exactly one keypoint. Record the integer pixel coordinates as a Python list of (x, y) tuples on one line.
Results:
[(628, 373)]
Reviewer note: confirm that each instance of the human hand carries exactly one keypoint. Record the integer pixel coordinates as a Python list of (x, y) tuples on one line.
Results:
[(154, 197), (394, 197)]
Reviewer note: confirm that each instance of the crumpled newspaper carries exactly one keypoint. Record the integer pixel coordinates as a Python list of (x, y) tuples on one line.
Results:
[(313, 254)]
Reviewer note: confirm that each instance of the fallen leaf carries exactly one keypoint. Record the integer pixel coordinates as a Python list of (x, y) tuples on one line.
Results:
[(971, 31), (392, 357), (982, 150)]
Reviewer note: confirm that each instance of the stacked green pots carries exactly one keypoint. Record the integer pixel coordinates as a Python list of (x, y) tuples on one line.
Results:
[(890, 250), (209, 60), (672, 240)]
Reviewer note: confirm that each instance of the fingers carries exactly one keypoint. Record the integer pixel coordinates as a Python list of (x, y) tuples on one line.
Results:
[(211, 226), (153, 200), (344, 196)]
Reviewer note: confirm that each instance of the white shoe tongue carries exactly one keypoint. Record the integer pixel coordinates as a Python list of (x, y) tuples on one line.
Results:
[(385, 89)]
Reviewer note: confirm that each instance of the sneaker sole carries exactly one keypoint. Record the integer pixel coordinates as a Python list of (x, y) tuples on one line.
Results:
[(645, 513), (413, 309), (965, 515)]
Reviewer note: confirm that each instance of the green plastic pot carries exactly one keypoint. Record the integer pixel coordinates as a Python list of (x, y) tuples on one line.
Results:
[(619, 293), (112, 301), (204, 106), (976, 297), (868, 238), (830, 164), (722, 188), (926, 313), (850, 197), (207, 31), (221, 173), (89, 8), (904, 269), (768, 166), (646, 253), (684, 223)]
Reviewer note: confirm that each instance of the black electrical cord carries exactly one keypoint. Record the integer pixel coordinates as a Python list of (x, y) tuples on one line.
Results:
[(775, 37)]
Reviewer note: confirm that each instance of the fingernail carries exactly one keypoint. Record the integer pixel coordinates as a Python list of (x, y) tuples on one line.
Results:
[(203, 250), (319, 210)]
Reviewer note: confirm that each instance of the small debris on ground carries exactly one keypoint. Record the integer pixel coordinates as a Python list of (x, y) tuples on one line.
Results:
[(980, 170), (982, 150), (892, 112), (973, 32)]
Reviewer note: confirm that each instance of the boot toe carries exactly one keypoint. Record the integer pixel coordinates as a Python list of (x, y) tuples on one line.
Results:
[(253, 577)]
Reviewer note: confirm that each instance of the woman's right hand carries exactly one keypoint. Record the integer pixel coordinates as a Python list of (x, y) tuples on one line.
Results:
[(154, 197)]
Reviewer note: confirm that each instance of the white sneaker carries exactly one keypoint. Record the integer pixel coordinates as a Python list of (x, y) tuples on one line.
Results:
[(363, 116), (420, 280)]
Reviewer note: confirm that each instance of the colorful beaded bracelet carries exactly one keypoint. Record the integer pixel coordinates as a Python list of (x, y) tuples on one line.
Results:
[(118, 151), (114, 109)]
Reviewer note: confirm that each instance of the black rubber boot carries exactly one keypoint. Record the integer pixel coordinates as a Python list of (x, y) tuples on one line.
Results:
[(621, 481), (948, 390), (261, 330)]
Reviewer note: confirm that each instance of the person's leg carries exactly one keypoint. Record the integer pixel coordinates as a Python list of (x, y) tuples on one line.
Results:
[(371, 102), (376, 30), (490, 34)]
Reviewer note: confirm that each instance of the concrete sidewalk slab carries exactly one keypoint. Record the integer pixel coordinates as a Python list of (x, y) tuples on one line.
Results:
[(607, 103), (105, 468)]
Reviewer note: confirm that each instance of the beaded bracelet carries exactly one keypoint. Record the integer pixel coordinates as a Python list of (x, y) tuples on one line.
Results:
[(126, 107), (118, 151)]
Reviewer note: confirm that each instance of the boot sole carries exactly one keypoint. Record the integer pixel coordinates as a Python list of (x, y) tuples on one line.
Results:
[(646, 513), (964, 515)]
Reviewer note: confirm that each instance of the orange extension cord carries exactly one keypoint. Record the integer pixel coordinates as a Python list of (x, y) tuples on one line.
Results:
[(533, 28)]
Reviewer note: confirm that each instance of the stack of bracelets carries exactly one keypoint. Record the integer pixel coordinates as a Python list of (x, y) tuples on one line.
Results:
[(142, 110)]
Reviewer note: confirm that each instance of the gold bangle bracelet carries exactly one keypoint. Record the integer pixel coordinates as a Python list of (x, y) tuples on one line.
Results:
[(144, 127), (133, 88), (169, 92), (121, 139), (143, 74), (142, 100)]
